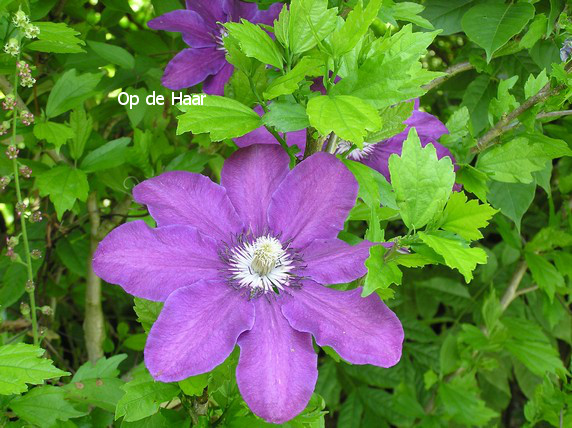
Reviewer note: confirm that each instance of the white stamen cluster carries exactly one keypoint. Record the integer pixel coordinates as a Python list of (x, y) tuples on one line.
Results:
[(223, 32), (262, 265), (356, 154)]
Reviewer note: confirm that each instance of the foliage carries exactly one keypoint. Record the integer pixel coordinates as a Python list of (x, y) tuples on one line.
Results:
[(479, 274)]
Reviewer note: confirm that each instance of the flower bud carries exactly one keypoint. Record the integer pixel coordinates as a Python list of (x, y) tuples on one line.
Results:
[(36, 254), (12, 152), (31, 31), (26, 171), (566, 50), (12, 47), (9, 102), (42, 331), (20, 208), (36, 217), (4, 181), (27, 118), (30, 286), (27, 81), (24, 309), (20, 19), (47, 310), (12, 241)]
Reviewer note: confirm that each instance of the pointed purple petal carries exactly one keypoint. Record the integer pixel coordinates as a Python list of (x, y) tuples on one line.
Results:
[(313, 201), (277, 369), (428, 127), (196, 330), (332, 261), (214, 85), (180, 197), (189, 23), (151, 263), (361, 329), (250, 12), (191, 66), (250, 177), (211, 10)]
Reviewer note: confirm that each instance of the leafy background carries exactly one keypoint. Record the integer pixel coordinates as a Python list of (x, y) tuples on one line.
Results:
[(486, 345)]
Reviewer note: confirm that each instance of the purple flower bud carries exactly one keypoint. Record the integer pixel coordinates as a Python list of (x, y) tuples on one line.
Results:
[(4, 181), (26, 171), (36, 217), (12, 152), (27, 118), (566, 50), (9, 102), (21, 208)]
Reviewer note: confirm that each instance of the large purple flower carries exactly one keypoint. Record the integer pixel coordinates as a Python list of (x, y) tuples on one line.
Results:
[(200, 25), (244, 262)]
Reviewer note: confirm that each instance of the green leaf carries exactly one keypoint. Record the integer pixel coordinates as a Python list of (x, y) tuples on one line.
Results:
[(43, 406), (380, 274), (511, 199), (422, 183), (81, 125), (513, 162), (348, 117), (54, 133), (491, 25), (392, 73), (56, 38), (356, 25), (549, 238), (473, 181), (221, 117), (286, 116), (465, 218), (392, 119), (456, 252), (534, 84), (374, 189), (544, 274), (461, 402), (143, 396), (447, 14), (310, 21), (255, 42), (147, 312), (114, 54), (288, 83), (351, 412), (21, 364), (64, 185), (194, 385), (103, 368), (112, 154), (70, 91), (536, 30)]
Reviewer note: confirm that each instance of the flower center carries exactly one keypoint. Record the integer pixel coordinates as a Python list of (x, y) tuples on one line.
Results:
[(262, 265), (222, 33), (356, 154)]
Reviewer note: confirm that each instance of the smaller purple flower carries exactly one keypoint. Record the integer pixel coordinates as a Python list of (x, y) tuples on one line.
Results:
[(246, 262), (200, 24)]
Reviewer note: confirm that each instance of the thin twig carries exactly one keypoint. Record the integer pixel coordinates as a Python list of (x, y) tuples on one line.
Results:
[(450, 72), (510, 293), (550, 114)]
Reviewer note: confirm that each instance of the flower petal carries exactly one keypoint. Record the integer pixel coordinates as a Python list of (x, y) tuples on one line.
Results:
[(277, 368), (196, 330), (250, 12), (211, 11), (190, 24), (191, 66), (180, 197), (152, 263), (363, 330), (250, 177), (214, 85), (333, 261), (428, 127), (313, 201)]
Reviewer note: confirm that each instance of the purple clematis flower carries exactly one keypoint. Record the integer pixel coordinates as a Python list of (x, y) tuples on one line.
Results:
[(200, 24), (244, 263)]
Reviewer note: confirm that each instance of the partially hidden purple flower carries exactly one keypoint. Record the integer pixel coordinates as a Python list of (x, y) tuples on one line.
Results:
[(262, 136), (245, 262), (200, 25)]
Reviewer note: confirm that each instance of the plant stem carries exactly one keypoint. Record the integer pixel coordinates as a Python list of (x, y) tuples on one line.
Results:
[(332, 143), (313, 146), (28, 257), (450, 72), (510, 294)]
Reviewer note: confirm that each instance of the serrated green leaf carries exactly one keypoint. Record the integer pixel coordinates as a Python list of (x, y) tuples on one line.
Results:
[(143, 396), (288, 83), (21, 364), (491, 25), (422, 183), (54, 133), (380, 274), (374, 189), (512, 199), (43, 406), (147, 312), (545, 274), (465, 218), (456, 252), (286, 116), (220, 117), (461, 402), (255, 42), (194, 385), (393, 119), (103, 368), (310, 21), (81, 125), (348, 117), (56, 38), (64, 185)]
